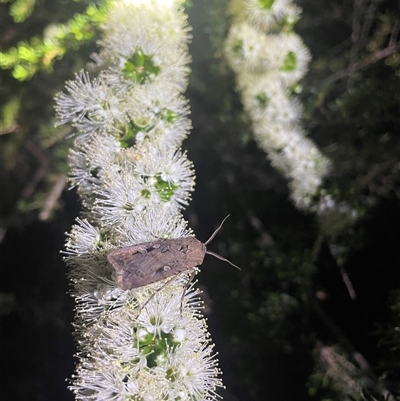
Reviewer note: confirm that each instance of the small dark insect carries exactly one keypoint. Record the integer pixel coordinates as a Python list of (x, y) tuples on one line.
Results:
[(149, 262)]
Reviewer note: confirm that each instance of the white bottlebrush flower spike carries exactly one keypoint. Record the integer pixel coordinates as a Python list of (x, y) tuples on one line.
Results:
[(269, 59), (144, 343)]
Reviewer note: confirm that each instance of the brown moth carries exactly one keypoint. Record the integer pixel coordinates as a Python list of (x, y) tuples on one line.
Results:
[(149, 262)]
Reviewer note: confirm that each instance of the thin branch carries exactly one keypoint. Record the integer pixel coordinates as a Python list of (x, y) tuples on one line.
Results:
[(374, 172), (394, 34), (10, 129), (341, 337), (42, 159), (369, 19), (317, 247), (348, 283), (356, 356), (372, 59), (53, 197)]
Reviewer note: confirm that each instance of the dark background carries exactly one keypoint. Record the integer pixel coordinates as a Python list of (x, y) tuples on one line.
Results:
[(274, 322)]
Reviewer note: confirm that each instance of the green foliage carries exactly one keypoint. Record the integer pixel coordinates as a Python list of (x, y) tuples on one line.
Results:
[(9, 113), (34, 153), (39, 53), (20, 10)]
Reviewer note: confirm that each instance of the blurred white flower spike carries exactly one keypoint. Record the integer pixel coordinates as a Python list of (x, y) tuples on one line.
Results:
[(134, 181), (269, 59)]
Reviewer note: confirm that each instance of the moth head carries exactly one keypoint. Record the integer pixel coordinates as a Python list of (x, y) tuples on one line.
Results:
[(216, 254)]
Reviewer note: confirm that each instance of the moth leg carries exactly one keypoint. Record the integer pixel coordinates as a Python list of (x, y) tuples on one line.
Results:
[(192, 274), (161, 288)]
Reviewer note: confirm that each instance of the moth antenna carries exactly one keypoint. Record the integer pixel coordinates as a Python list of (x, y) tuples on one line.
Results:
[(221, 258), (215, 232)]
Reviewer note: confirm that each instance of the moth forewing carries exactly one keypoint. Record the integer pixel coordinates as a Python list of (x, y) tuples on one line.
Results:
[(149, 262), (146, 263)]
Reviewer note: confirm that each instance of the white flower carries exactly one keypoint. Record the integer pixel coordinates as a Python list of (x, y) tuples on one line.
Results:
[(88, 164), (198, 371), (153, 223), (267, 99), (154, 178), (159, 116), (149, 35), (249, 51), (296, 157), (270, 14), (170, 171), (90, 105), (245, 48), (160, 314), (83, 239), (291, 57), (179, 334)]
